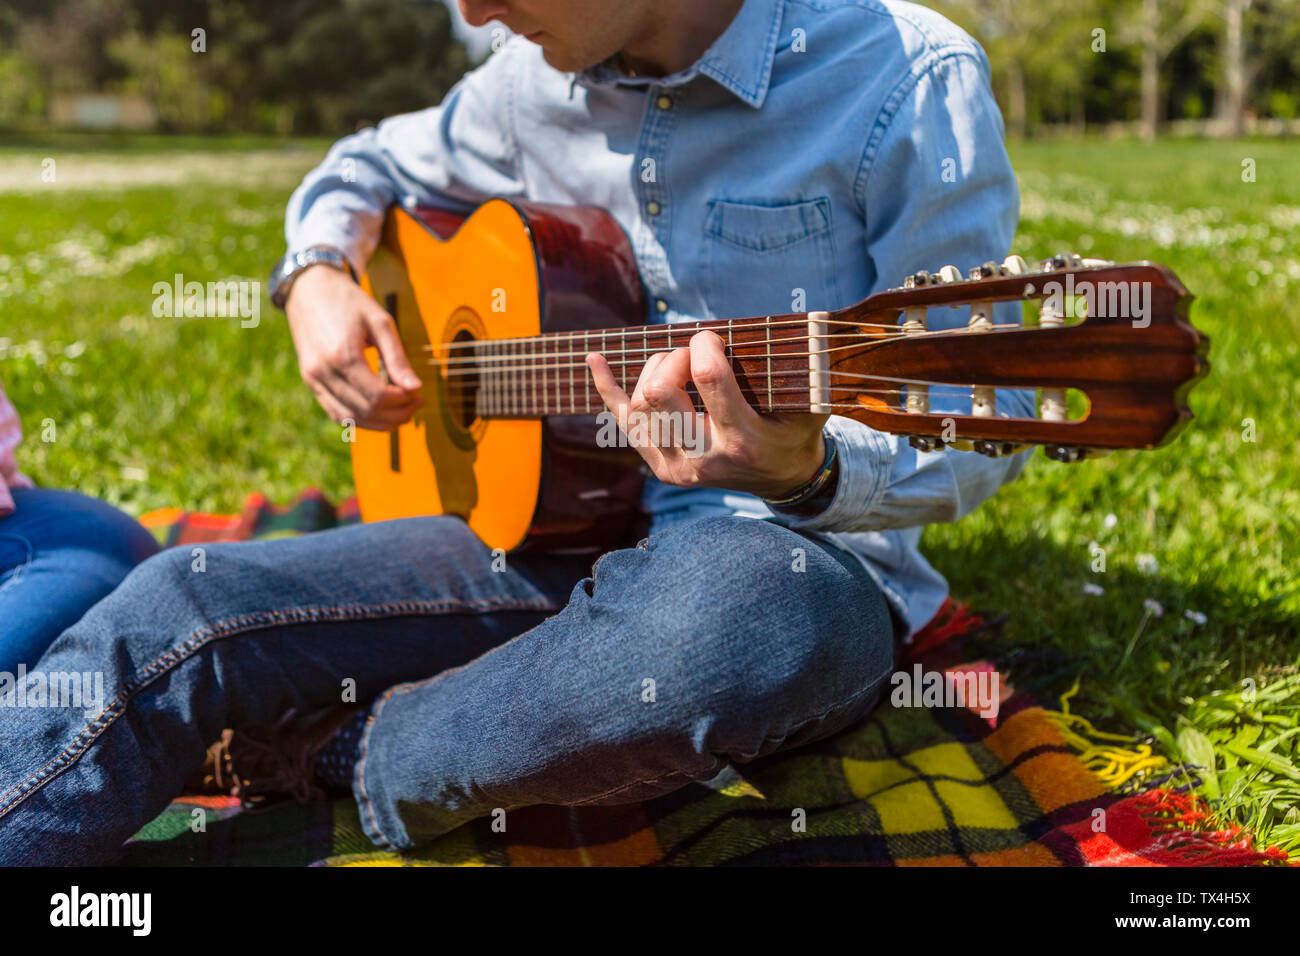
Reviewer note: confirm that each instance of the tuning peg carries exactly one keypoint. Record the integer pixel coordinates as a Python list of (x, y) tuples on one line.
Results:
[(949, 274), (1065, 453), (986, 271), (1063, 260), (996, 449), (1014, 265), (919, 278), (926, 442)]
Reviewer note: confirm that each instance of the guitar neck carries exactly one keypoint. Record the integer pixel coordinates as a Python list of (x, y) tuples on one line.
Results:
[(548, 374)]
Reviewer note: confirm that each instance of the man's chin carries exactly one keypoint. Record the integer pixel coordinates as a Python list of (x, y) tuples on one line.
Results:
[(566, 61)]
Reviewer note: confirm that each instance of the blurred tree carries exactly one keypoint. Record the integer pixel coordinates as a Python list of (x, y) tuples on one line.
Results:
[(165, 69), (328, 66), (68, 44), (1161, 25), (1042, 54), (300, 66), (1259, 40)]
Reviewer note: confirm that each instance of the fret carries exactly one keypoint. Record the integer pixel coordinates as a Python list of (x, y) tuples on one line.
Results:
[(623, 350), (546, 398), (767, 334), (573, 357), (668, 336), (559, 363), (488, 382), (476, 358), (511, 398)]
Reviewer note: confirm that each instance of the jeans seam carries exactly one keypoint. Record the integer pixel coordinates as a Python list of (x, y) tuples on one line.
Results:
[(209, 634)]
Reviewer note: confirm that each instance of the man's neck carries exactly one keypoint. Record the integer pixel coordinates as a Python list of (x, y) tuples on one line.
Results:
[(675, 35)]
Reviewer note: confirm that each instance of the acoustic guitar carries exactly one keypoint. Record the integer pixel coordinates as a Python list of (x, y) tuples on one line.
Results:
[(497, 311)]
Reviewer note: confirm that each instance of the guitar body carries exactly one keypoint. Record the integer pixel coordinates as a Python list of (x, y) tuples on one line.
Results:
[(511, 269)]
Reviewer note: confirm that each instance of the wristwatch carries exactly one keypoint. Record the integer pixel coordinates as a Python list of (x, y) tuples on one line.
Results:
[(292, 265)]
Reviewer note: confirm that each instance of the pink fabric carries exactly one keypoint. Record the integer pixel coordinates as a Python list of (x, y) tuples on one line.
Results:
[(11, 432)]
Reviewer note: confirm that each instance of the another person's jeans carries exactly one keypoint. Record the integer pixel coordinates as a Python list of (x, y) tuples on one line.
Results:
[(60, 552), (721, 639)]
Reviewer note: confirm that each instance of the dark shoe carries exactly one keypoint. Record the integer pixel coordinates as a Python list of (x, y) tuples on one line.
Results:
[(265, 766)]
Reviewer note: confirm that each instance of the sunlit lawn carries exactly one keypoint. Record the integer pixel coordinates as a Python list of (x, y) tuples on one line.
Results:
[(149, 412)]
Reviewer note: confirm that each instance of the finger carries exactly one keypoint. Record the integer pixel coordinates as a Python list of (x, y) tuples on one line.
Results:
[(362, 389), (713, 377), (383, 333), (390, 418), (617, 402), (333, 408), (664, 384), (615, 399), (647, 373)]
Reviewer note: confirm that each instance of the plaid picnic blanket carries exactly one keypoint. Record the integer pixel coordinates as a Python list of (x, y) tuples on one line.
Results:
[(908, 786)]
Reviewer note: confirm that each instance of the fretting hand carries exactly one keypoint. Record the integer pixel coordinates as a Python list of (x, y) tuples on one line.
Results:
[(735, 447)]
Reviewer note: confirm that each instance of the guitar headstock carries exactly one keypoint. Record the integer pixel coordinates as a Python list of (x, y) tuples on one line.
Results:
[(1108, 351)]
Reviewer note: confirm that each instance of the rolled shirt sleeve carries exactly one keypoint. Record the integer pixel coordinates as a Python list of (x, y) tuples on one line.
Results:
[(936, 188)]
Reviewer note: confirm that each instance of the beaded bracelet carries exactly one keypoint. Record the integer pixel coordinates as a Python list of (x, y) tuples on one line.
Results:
[(813, 488)]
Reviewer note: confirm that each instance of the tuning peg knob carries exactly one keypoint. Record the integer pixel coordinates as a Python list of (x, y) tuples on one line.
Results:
[(949, 274), (1065, 453), (995, 449), (1063, 260), (986, 271), (925, 442), (919, 278), (1014, 265)]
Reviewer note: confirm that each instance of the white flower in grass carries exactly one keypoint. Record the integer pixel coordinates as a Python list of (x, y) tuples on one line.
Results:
[(1110, 520), (1096, 590), (1196, 617), (1147, 563), (1153, 607)]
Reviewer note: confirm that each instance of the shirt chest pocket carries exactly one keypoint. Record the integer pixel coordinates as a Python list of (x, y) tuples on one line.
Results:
[(762, 259)]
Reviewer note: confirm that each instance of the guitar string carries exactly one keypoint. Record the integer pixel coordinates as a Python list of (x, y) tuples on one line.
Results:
[(717, 326), (526, 360), (526, 364), (945, 391), (737, 325)]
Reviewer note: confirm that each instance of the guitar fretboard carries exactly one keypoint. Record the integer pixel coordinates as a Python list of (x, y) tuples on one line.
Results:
[(548, 374)]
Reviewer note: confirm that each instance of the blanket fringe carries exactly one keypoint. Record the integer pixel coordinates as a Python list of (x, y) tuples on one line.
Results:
[(1177, 822), (1180, 823), (1118, 767)]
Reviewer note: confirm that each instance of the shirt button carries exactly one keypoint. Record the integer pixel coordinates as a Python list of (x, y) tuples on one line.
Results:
[(652, 208), (661, 305), (664, 102)]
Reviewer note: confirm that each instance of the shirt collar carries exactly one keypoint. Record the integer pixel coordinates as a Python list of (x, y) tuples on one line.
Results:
[(740, 60)]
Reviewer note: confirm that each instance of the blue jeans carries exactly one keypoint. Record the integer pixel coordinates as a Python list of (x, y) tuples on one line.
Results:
[(488, 688), (60, 552)]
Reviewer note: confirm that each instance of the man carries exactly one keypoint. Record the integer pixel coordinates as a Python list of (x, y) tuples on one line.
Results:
[(778, 155)]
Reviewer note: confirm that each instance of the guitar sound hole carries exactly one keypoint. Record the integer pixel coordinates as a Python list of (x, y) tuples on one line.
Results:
[(462, 388)]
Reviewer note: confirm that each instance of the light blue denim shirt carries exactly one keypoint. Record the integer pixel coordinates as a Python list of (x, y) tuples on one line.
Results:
[(819, 151)]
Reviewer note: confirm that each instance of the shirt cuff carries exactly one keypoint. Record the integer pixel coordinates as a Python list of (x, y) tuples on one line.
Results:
[(865, 460)]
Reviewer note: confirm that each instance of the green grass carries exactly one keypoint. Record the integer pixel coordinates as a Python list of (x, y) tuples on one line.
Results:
[(151, 411)]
